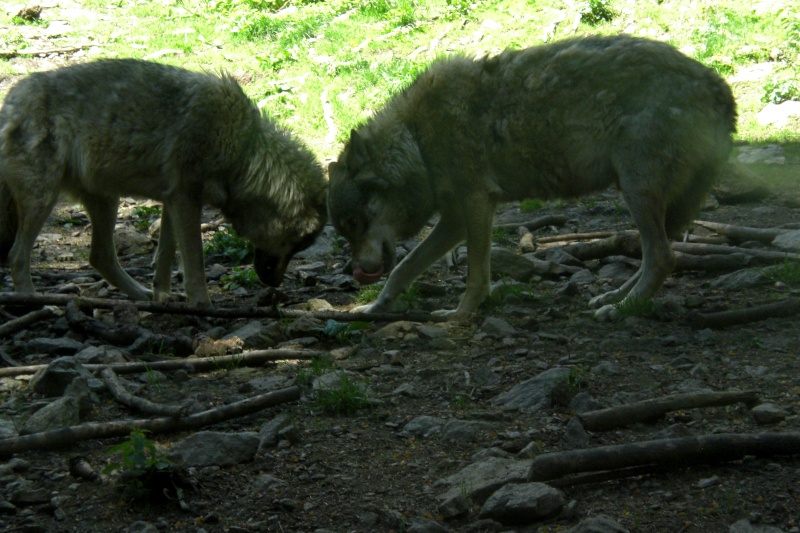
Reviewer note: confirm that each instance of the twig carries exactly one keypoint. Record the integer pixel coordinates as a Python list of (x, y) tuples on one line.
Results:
[(743, 233), (59, 438), (625, 415), (532, 225), (182, 308), (12, 326), (200, 364), (8, 54), (722, 319), (125, 398), (688, 450), (575, 237)]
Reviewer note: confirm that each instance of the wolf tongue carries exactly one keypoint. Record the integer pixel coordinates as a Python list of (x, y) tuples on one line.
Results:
[(366, 278)]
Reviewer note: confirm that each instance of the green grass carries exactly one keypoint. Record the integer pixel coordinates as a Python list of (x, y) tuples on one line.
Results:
[(302, 59), (641, 307)]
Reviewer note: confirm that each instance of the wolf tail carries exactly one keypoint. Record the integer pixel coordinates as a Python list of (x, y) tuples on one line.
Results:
[(8, 222)]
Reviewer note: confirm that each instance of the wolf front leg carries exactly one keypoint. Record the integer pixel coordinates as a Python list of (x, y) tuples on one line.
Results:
[(447, 233), (478, 214), (102, 212), (184, 212), (164, 259)]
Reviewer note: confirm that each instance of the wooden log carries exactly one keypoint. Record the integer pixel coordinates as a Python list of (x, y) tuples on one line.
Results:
[(743, 233), (17, 324), (631, 413), (140, 404), (182, 308), (723, 319), (533, 225), (63, 437), (190, 364), (707, 449)]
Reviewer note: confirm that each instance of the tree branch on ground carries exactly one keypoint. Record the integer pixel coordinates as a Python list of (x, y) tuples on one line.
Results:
[(122, 396), (788, 307), (533, 225), (742, 233), (182, 308), (200, 364), (63, 437), (704, 449), (17, 324), (631, 413)]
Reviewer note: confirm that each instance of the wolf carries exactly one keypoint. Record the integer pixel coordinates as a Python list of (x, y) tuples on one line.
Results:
[(124, 127), (552, 121)]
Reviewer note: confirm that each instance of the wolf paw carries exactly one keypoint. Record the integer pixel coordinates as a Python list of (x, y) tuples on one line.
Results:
[(607, 313), (451, 314), (611, 297)]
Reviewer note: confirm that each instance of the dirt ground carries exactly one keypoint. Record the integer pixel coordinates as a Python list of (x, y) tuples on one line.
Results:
[(360, 473)]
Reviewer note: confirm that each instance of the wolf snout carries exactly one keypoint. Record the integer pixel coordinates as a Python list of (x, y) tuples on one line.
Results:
[(269, 268), (367, 278)]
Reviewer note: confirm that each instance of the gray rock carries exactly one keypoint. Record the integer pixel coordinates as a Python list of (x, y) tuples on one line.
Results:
[(532, 394), (531, 450), (597, 524), (53, 380), (60, 346), (209, 448), (768, 413), (128, 240), (454, 507), (497, 327), (267, 483), (583, 402), (789, 241), (141, 527), (575, 436), (583, 276), (7, 429), (740, 279), (480, 480), (422, 426), (745, 526), (422, 525), (507, 264), (102, 355), (771, 154), (523, 503), (464, 431), (58, 414), (269, 434), (254, 334)]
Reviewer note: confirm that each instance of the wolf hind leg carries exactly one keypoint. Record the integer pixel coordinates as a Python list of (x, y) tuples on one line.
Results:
[(648, 209), (102, 212), (32, 210), (164, 258), (9, 222), (447, 233)]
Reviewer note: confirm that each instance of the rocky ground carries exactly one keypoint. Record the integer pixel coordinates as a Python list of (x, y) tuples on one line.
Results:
[(437, 423)]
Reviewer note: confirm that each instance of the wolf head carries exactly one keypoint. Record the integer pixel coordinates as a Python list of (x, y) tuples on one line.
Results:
[(379, 192)]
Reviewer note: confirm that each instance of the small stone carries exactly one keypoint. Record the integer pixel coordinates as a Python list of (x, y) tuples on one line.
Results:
[(768, 413)]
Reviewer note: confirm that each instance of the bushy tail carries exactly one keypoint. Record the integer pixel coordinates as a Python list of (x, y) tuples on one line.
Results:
[(8, 222)]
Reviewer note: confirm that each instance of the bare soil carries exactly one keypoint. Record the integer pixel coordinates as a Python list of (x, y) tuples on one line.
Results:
[(357, 473)]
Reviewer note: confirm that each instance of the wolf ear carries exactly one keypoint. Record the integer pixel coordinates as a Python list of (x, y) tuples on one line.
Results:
[(357, 156)]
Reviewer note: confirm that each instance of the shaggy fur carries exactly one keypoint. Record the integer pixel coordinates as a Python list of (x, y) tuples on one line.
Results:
[(552, 121), (113, 128)]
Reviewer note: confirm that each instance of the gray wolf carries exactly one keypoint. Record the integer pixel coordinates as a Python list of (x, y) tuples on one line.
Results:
[(124, 127), (552, 121)]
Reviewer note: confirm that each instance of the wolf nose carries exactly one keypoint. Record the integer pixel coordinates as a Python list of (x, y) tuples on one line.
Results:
[(366, 278)]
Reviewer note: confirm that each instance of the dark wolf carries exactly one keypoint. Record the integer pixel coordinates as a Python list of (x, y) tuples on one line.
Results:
[(552, 121), (124, 127)]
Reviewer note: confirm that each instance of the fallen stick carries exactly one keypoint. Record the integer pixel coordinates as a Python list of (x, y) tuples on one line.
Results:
[(713, 262), (8, 54), (140, 404), (59, 438), (723, 319), (182, 308), (766, 256), (743, 233), (199, 364), (537, 223), (12, 326), (677, 452), (625, 415), (575, 237)]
